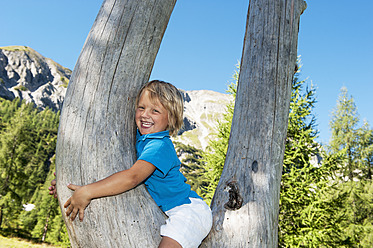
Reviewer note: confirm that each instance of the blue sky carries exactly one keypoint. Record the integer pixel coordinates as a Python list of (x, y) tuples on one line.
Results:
[(203, 43)]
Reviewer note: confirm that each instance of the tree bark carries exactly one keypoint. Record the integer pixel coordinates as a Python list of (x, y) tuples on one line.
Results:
[(96, 136), (246, 203)]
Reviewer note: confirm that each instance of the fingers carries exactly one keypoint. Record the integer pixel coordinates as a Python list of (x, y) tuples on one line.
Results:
[(81, 215), (72, 211), (75, 204), (73, 214), (73, 187), (52, 189), (67, 203)]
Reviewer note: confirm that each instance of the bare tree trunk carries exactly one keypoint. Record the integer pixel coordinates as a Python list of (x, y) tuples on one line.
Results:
[(45, 228), (1, 216), (97, 133), (246, 202)]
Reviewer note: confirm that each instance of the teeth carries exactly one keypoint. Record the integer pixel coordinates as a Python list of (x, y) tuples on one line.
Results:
[(146, 124)]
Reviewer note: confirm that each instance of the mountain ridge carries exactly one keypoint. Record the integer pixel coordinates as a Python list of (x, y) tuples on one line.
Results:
[(26, 74)]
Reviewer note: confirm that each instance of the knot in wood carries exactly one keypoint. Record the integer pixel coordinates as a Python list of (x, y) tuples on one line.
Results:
[(254, 166), (235, 199)]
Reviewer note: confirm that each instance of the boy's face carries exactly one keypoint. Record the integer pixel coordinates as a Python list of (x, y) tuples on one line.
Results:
[(151, 116)]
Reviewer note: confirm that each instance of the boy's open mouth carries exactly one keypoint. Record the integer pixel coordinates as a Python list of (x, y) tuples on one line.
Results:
[(146, 124)]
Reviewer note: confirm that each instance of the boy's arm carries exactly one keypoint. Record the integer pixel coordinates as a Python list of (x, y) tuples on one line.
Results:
[(112, 185)]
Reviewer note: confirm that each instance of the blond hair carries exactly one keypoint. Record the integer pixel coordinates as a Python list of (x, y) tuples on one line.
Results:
[(170, 98)]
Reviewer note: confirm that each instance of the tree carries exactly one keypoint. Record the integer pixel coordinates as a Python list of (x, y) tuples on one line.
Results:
[(16, 150), (27, 142), (191, 166), (307, 217), (216, 152), (358, 211), (97, 132), (96, 124), (44, 222), (365, 151), (345, 136), (309, 213), (247, 215), (354, 143)]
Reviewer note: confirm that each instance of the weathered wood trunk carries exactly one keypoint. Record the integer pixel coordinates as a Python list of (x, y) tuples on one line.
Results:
[(246, 202), (97, 132)]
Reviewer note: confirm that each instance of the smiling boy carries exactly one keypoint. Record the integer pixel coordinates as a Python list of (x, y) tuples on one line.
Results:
[(159, 114)]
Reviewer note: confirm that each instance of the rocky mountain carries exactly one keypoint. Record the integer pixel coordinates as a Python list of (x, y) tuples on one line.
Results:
[(26, 74), (202, 110)]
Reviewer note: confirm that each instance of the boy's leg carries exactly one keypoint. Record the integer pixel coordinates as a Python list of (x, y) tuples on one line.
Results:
[(168, 242)]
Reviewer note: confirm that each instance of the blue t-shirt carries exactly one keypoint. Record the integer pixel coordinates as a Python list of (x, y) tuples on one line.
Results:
[(167, 184)]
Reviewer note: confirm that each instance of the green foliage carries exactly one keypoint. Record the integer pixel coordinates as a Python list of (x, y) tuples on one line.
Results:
[(65, 82), (309, 211), (309, 214), (215, 153), (315, 206), (15, 48), (300, 145), (27, 145), (365, 151), (45, 222), (358, 211), (191, 166), (21, 88), (16, 165), (355, 144)]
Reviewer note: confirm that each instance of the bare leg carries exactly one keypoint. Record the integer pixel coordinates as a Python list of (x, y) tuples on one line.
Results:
[(168, 242)]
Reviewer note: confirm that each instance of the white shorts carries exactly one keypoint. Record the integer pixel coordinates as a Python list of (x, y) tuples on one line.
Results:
[(188, 224)]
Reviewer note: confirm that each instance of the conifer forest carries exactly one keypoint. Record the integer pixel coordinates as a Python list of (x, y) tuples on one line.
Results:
[(326, 196)]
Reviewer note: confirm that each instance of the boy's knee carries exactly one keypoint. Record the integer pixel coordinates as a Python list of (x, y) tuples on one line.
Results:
[(168, 242)]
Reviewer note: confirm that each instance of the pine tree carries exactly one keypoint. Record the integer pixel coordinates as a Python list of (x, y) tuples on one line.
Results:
[(308, 212), (27, 143), (365, 151), (45, 222), (191, 166), (354, 144), (300, 143), (345, 136), (16, 150), (214, 156)]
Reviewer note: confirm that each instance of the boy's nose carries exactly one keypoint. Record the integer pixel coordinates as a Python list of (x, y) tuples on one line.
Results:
[(145, 113)]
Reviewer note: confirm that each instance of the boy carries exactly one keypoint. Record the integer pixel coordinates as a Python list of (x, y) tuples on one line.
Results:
[(159, 114)]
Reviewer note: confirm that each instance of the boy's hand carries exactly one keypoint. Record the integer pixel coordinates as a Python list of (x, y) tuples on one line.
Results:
[(52, 189), (77, 202)]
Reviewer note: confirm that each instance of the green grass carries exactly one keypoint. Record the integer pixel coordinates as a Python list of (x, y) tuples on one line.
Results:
[(19, 243), (15, 48), (65, 82), (21, 88)]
